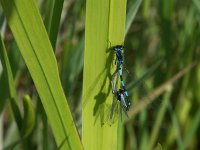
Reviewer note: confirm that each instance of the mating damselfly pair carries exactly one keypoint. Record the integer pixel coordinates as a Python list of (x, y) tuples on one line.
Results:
[(120, 94)]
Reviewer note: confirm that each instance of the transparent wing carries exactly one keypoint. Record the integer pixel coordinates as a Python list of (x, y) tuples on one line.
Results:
[(122, 105), (111, 115)]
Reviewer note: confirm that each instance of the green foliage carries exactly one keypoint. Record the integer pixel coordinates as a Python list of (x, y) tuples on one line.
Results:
[(52, 20), (7, 88), (101, 28), (29, 117), (37, 52), (161, 40)]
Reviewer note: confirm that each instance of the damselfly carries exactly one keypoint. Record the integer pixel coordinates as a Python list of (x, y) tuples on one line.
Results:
[(118, 104), (121, 94)]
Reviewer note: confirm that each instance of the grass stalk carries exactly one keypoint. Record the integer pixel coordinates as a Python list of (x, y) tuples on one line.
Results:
[(7, 88), (105, 22)]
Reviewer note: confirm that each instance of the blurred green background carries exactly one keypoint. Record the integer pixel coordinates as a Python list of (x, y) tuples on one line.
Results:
[(161, 53)]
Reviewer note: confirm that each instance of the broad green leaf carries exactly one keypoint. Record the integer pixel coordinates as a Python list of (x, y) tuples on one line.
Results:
[(29, 32), (102, 26), (120, 136)]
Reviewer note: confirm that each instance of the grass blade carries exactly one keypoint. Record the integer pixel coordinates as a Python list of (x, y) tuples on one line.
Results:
[(134, 6), (52, 19), (176, 126), (7, 87), (192, 129), (29, 117), (29, 32), (102, 26), (158, 121)]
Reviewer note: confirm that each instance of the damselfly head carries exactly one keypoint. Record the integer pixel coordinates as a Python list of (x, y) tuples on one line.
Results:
[(117, 48)]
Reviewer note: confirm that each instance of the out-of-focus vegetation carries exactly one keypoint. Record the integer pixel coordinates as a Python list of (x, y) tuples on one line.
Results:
[(162, 49)]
